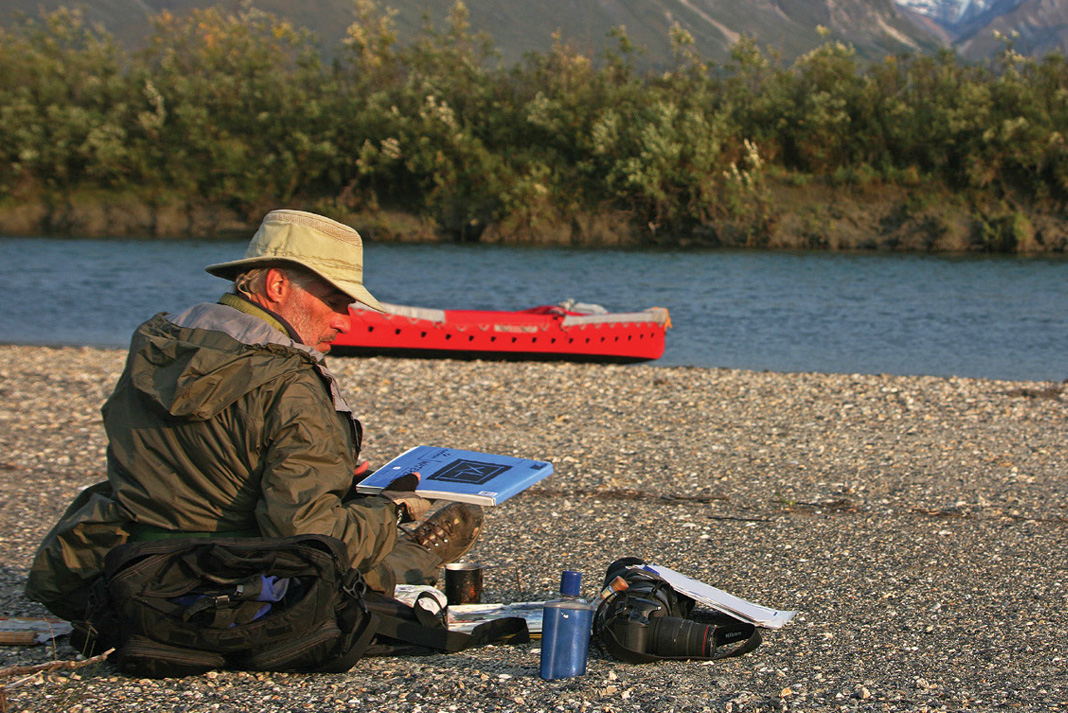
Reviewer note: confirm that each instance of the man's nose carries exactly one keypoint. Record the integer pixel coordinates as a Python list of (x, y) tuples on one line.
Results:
[(342, 322)]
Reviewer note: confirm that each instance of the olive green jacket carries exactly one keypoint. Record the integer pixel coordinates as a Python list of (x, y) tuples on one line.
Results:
[(220, 425)]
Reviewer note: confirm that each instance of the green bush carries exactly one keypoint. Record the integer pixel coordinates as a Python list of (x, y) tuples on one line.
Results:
[(239, 109)]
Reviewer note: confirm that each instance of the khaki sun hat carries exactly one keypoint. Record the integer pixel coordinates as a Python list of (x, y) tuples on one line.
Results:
[(331, 250)]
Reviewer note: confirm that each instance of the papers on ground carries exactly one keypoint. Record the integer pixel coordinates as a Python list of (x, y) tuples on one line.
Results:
[(722, 601)]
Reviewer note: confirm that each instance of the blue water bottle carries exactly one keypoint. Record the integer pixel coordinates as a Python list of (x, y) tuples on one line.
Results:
[(565, 630)]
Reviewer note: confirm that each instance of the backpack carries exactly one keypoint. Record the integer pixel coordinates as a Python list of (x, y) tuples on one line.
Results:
[(180, 607)]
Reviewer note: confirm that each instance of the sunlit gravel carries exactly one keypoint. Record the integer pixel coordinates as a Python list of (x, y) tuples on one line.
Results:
[(918, 524)]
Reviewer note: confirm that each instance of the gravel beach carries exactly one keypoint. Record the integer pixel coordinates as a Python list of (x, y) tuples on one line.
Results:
[(919, 525)]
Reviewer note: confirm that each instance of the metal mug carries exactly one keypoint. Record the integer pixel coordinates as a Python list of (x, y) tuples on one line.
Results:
[(463, 582)]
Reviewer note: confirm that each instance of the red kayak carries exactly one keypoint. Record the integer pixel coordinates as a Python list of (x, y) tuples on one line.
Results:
[(568, 331)]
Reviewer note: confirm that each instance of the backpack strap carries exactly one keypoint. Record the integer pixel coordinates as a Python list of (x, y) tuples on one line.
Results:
[(354, 615), (511, 630), (421, 627), (360, 643)]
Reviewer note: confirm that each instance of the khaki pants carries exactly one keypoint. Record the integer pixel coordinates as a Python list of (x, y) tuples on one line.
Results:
[(407, 563)]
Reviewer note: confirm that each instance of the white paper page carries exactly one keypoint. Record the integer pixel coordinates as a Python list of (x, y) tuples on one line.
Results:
[(722, 601)]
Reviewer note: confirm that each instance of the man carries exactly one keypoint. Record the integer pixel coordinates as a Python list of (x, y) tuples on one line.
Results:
[(227, 422)]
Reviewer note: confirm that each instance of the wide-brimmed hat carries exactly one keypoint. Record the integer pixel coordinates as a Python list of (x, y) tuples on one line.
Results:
[(331, 250)]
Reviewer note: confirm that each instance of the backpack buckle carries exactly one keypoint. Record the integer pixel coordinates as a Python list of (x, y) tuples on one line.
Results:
[(353, 585), (204, 603)]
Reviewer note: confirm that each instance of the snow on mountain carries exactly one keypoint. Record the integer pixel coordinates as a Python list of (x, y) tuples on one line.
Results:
[(952, 13)]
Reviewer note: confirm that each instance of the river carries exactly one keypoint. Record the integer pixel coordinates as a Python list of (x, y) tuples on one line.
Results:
[(997, 317)]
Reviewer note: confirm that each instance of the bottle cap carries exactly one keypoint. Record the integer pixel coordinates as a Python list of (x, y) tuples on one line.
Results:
[(571, 583)]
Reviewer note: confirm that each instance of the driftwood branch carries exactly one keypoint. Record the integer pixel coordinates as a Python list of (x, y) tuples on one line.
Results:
[(42, 668), (51, 666)]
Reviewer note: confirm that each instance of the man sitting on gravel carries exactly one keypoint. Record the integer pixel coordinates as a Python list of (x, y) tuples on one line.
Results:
[(227, 422)]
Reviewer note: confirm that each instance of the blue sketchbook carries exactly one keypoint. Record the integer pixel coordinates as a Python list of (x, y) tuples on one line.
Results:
[(464, 476)]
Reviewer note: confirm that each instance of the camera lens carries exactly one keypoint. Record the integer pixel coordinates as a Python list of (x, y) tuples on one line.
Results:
[(680, 638)]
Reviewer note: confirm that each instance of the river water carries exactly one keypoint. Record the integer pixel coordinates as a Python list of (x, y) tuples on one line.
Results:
[(995, 317)]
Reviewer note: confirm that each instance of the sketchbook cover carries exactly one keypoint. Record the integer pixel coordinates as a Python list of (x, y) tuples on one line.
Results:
[(464, 476)]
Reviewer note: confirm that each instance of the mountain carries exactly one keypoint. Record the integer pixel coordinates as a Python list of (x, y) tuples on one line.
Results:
[(950, 13), (791, 27), (1036, 27)]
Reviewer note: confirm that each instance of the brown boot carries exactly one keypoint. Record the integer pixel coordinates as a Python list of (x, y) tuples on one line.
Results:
[(451, 531)]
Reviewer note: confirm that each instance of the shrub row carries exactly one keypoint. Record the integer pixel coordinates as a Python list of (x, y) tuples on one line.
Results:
[(241, 109)]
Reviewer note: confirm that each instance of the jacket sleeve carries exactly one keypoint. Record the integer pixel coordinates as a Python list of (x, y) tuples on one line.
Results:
[(307, 469)]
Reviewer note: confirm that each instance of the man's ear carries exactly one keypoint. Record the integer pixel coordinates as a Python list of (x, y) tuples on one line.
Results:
[(276, 285)]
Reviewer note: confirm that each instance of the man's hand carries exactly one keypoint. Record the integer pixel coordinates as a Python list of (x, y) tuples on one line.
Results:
[(410, 507)]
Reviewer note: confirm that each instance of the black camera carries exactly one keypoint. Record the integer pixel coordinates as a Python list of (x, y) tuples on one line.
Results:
[(647, 620)]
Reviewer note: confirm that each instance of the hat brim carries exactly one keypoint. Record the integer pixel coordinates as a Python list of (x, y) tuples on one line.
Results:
[(355, 290)]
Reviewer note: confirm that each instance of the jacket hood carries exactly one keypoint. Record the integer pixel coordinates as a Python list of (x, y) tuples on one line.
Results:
[(196, 373)]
